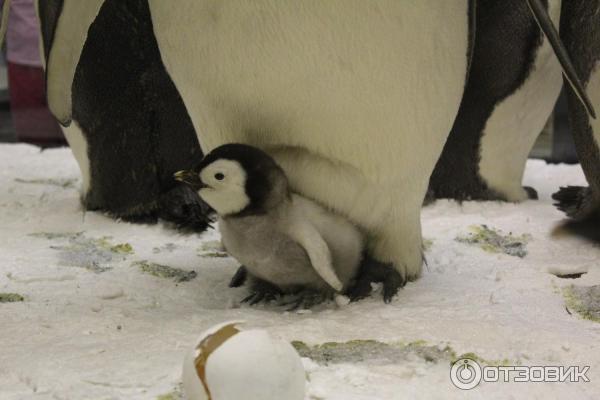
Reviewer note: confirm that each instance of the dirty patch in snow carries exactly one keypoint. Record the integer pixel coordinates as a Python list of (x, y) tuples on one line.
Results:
[(212, 249), (164, 271), (584, 300), (493, 241), (372, 351), (94, 254), (176, 394), (10, 298), (168, 247)]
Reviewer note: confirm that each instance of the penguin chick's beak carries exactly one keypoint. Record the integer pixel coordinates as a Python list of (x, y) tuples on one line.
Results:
[(191, 178)]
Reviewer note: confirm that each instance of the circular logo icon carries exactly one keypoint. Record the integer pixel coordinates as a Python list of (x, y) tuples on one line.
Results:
[(465, 374)]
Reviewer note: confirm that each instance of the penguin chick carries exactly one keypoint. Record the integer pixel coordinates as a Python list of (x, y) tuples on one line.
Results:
[(279, 236)]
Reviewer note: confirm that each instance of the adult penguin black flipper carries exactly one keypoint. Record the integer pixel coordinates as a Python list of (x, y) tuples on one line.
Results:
[(545, 23), (130, 130)]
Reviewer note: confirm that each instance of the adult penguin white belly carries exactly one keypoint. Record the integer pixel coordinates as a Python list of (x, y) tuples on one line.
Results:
[(64, 25), (580, 31), (354, 98)]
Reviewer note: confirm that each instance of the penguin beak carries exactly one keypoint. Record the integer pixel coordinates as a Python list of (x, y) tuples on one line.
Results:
[(191, 178)]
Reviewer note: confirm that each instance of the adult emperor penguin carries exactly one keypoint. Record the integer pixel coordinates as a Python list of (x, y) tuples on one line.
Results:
[(124, 119), (580, 31), (354, 99), (513, 84)]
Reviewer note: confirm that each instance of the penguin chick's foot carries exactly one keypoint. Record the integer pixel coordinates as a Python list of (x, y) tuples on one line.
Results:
[(373, 271), (261, 291), (304, 299), (182, 206), (239, 278)]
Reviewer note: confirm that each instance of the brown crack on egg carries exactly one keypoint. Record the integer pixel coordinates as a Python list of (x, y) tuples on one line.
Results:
[(207, 346)]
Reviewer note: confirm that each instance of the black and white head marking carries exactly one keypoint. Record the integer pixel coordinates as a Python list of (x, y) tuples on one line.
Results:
[(238, 180)]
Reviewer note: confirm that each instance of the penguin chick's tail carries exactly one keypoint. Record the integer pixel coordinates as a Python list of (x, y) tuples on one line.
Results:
[(545, 23)]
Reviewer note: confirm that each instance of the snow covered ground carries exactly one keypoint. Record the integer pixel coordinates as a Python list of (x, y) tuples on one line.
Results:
[(101, 320)]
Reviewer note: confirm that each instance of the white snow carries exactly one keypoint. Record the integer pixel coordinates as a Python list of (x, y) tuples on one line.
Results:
[(121, 334)]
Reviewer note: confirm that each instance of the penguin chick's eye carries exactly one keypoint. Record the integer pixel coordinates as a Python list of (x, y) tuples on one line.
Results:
[(219, 176)]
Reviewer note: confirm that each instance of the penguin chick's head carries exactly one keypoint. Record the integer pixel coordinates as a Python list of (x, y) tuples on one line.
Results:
[(237, 179)]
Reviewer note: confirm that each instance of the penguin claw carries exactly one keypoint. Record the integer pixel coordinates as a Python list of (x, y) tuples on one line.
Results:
[(295, 304), (361, 289), (392, 282), (304, 300), (391, 286), (258, 297), (249, 297), (261, 291), (374, 271)]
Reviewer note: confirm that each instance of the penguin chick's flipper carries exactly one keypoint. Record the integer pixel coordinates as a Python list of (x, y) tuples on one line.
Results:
[(182, 206), (260, 291), (545, 23), (239, 278), (373, 271), (577, 202), (320, 257)]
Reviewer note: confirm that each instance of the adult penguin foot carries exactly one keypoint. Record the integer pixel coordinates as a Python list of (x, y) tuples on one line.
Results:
[(373, 271), (183, 207), (577, 202)]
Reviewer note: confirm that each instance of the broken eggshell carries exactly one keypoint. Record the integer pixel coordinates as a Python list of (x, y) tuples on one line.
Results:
[(231, 364)]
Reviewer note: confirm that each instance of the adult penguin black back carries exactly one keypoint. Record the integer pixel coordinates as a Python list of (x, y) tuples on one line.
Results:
[(580, 31), (129, 128)]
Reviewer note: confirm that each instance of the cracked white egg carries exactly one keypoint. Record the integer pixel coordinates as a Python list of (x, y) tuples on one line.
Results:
[(233, 364)]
